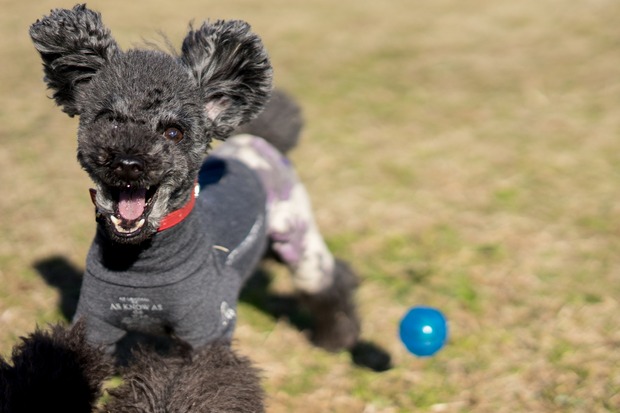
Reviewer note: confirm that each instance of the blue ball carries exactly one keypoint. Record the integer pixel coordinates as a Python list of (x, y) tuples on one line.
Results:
[(423, 330)]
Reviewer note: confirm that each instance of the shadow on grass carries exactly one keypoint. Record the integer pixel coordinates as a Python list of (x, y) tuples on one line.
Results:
[(285, 306), (61, 274)]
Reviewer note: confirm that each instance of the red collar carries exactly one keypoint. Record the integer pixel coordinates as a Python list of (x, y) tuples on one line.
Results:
[(180, 214)]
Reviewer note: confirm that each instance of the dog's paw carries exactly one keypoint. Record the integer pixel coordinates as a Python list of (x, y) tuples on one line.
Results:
[(336, 325), (336, 332)]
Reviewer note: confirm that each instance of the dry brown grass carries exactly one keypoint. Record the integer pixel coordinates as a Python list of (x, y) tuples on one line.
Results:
[(462, 154)]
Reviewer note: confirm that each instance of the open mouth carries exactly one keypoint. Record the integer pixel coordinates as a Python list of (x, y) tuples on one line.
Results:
[(132, 206)]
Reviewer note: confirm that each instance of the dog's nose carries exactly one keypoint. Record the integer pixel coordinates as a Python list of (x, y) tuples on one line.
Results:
[(128, 168)]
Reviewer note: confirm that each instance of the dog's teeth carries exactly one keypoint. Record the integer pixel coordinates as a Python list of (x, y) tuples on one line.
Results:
[(117, 225)]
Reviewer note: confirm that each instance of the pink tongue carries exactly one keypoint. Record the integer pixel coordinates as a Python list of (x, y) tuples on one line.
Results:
[(131, 203)]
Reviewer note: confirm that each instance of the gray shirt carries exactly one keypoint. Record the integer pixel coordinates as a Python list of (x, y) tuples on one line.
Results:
[(186, 279)]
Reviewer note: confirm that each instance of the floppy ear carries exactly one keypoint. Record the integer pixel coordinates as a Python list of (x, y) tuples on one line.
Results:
[(232, 70), (74, 45)]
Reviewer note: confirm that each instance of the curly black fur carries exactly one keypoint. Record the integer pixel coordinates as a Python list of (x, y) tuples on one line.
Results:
[(209, 379), (232, 70), (53, 369), (58, 371), (74, 45)]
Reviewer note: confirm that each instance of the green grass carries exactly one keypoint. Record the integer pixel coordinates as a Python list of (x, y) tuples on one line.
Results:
[(460, 154)]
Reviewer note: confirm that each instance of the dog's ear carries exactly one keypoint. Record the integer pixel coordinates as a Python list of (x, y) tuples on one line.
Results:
[(232, 70), (74, 45)]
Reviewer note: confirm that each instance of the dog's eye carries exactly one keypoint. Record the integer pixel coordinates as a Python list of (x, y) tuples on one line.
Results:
[(174, 134)]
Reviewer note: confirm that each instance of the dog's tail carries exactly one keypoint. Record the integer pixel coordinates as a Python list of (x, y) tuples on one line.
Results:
[(53, 370), (280, 123)]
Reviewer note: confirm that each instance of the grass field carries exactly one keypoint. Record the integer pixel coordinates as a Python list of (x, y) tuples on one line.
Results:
[(462, 154)]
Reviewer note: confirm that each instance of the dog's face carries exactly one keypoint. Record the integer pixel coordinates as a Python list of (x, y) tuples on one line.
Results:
[(141, 139), (147, 117)]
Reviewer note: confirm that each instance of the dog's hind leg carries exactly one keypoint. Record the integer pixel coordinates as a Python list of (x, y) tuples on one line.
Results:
[(326, 285)]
